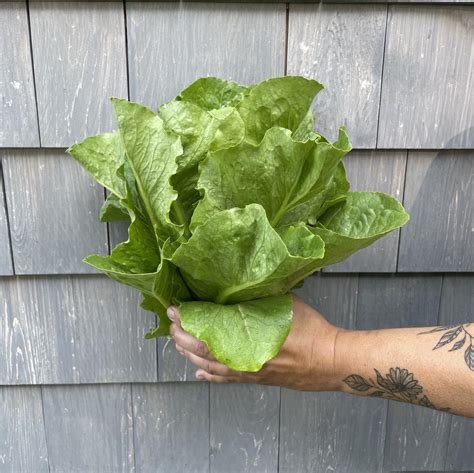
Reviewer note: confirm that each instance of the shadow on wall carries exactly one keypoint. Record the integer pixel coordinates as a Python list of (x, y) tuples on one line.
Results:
[(439, 198)]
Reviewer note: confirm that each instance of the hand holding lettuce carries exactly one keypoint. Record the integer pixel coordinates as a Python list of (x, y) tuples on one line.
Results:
[(232, 200)]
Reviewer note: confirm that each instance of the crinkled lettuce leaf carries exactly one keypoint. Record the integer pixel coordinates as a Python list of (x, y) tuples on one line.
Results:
[(212, 93), (280, 101), (357, 222), (151, 151), (102, 156), (279, 173), (237, 255)]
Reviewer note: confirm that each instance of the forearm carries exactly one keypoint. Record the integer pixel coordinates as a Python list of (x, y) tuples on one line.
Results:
[(402, 364)]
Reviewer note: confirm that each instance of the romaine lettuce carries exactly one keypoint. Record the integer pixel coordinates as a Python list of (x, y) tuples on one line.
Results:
[(233, 199)]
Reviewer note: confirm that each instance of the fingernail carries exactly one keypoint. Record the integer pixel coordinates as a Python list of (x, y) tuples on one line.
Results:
[(179, 349), (172, 312), (199, 375)]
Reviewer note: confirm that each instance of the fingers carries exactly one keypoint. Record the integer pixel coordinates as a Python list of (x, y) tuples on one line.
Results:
[(197, 353), (184, 339), (213, 378), (210, 366)]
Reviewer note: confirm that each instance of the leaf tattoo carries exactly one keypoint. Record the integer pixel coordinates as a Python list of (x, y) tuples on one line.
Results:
[(453, 334), (397, 385)]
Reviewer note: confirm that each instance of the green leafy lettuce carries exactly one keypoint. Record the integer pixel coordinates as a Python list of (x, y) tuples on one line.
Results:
[(232, 199)]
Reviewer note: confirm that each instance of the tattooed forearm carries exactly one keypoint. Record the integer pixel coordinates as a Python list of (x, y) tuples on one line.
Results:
[(397, 385), (460, 336)]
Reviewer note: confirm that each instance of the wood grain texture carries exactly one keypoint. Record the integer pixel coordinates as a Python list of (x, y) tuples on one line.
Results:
[(427, 100), (89, 428), (392, 301), (244, 428), (22, 433), (323, 291), (342, 47), (80, 61), (317, 429), (6, 266), (53, 207), (73, 330), (171, 45), (457, 301), (171, 425), (439, 195), (320, 432), (383, 172), (18, 118), (415, 436), (171, 365), (110, 330), (38, 324)]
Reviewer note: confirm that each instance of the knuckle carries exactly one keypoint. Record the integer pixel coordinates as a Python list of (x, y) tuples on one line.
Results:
[(200, 348)]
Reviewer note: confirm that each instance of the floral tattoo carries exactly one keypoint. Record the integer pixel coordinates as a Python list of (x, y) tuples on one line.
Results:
[(459, 336), (397, 385)]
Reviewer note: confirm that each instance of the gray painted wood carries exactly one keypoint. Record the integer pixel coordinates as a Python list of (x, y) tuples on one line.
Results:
[(89, 428), (439, 195), (323, 292), (383, 172), (318, 431), (53, 207), (342, 47), (22, 433), (171, 427), (415, 436), (6, 266), (392, 301), (118, 233), (427, 100), (171, 45), (38, 324), (171, 365), (110, 330), (457, 301), (323, 432), (80, 61), (73, 330), (244, 428), (18, 118)]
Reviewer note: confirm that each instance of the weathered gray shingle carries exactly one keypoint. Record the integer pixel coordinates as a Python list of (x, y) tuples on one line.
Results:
[(439, 195), (18, 120), (80, 61), (244, 428), (6, 266), (342, 47), (89, 428), (169, 46), (171, 425), (66, 329), (427, 100), (53, 208), (22, 434)]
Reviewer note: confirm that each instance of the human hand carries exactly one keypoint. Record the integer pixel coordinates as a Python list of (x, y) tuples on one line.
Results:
[(304, 362)]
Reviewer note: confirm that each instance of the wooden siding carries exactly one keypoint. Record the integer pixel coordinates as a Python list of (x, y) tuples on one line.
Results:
[(80, 388), (79, 64), (18, 120)]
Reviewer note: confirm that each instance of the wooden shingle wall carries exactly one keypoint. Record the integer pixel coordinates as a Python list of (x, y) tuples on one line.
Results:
[(80, 389)]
